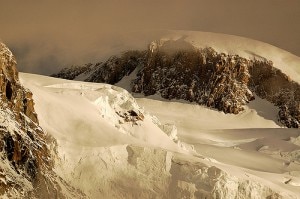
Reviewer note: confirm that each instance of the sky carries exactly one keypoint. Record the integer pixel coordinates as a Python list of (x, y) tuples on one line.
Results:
[(48, 35)]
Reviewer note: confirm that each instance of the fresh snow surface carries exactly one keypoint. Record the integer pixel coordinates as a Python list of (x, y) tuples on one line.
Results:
[(251, 141), (194, 117), (92, 140), (85, 113)]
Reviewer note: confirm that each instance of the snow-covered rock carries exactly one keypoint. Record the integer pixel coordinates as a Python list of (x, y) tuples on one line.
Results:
[(179, 68), (26, 159), (100, 143)]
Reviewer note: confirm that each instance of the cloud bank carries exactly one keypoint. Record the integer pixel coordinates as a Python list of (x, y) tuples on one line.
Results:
[(47, 35)]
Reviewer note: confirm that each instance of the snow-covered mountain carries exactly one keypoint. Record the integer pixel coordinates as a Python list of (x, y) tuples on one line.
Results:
[(95, 140), (227, 79), (110, 147)]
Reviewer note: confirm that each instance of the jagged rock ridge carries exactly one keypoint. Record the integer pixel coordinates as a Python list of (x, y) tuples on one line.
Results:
[(26, 168), (178, 70)]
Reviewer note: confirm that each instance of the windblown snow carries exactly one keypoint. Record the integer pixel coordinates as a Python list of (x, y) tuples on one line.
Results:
[(111, 147)]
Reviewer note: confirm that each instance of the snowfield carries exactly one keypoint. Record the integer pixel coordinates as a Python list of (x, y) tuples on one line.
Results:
[(110, 147)]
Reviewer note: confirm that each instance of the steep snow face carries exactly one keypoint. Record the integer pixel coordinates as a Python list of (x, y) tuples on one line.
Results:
[(94, 114), (109, 147), (251, 141), (89, 122)]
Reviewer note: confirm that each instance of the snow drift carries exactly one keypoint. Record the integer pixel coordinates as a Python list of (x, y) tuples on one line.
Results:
[(110, 147)]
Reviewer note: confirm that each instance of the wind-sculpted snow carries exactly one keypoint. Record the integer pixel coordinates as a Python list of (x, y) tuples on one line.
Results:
[(130, 171), (101, 143), (113, 106), (199, 180), (110, 147)]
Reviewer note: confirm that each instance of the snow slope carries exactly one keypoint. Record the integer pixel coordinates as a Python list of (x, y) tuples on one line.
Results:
[(109, 154), (285, 61), (243, 77), (249, 141), (92, 125), (83, 109)]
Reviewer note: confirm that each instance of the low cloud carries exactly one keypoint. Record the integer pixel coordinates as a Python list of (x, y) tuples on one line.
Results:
[(48, 35)]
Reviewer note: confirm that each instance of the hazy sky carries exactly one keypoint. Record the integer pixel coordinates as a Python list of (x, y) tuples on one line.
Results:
[(47, 35)]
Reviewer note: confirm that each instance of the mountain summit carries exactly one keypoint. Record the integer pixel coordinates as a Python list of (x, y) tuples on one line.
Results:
[(75, 139), (177, 69)]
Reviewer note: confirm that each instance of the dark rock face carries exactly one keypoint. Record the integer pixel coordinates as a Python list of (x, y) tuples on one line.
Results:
[(177, 70), (26, 161), (276, 87), (111, 71), (73, 71), (17, 98), (131, 116), (115, 68), (202, 76)]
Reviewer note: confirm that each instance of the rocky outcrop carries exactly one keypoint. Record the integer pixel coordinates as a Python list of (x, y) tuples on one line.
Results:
[(111, 71), (74, 71), (177, 70), (202, 76), (17, 98), (271, 84), (115, 68), (26, 161)]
